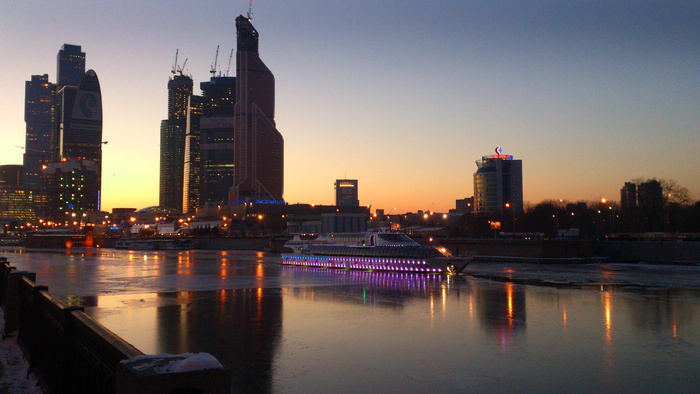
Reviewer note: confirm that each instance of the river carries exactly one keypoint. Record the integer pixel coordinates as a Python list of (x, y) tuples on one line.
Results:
[(496, 328)]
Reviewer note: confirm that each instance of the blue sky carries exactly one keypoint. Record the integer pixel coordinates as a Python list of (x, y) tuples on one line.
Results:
[(404, 97)]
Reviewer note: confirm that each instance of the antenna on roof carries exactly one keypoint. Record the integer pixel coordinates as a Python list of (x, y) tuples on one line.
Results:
[(250, 10)]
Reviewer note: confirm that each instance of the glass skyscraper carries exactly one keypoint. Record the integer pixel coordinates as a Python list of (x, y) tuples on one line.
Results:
[(258, 146), (172, 142)]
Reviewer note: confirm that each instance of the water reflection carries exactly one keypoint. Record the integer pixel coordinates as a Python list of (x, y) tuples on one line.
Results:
[(241, 327), (294, 329)]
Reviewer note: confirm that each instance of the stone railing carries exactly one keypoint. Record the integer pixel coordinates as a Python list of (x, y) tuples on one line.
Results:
[(71, 353)]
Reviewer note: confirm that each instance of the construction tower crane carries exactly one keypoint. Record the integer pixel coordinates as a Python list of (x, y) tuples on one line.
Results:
[(180, 69), (229, 62), (174, 69), (216, 59)]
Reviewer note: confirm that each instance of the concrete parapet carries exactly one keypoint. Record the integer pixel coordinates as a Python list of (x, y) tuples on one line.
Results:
[(167, 373), (70, 352), (12, 299)]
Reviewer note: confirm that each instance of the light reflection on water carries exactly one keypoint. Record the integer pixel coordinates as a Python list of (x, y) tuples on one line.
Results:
[(290, 329)]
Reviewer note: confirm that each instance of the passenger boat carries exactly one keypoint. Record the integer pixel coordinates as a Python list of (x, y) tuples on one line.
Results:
[(389, 251)]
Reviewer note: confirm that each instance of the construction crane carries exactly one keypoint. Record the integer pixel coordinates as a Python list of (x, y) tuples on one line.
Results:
[(174, 69), (229, 62), (183, 66), (216, 59)]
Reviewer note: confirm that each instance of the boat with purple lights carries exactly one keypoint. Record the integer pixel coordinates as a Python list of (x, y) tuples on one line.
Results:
[(388, 251)]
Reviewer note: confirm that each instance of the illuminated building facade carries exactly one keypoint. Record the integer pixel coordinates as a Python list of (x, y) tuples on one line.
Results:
[(38, 116), (192, 175), (80, 138), (216, 141), (346, 194), (72, 186), (16, 203), (172, 142), (498, 185), (259, 147)]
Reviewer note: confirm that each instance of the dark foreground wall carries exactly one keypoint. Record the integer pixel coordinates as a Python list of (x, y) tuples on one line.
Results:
[(71, 353), (654, 252)]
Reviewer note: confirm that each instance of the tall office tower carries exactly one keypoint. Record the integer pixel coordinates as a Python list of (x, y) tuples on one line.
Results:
[(498, 185), (628, 196), (172, 142), (191, 177), (216, 142), (346, 194), (38, 116), (259, 147), (70, 65), (79, 131), (650, 200)]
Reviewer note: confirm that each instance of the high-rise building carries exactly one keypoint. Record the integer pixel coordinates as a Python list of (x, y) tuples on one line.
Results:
[(628, 196), (216, 141), (346, 194), (78, 130), (650, 200), (38, 116), (259, 147), (191, 178), (172, 142), (70, 65), (498, 185)]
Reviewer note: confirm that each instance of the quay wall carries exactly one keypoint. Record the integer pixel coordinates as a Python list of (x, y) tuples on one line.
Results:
[(651, 252), (69, 352), (520, 248), (647, 251)]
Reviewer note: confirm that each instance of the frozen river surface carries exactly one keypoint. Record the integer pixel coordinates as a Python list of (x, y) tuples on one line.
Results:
[(495, 328)]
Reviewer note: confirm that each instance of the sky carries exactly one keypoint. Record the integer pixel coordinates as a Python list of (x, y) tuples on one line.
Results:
[(403, 96)]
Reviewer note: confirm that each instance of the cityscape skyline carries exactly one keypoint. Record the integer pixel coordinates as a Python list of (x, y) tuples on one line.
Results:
[(589, 97)]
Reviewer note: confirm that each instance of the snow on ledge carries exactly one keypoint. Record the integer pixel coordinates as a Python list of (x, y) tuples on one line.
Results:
[(171, 363)]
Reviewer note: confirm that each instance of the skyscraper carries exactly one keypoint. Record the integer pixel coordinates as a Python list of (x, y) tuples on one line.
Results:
[(498, 185), (191, 178), (38, 116), (259, 147), (216, 142), (70, 65), (346, 194), (78, 149), (172, 142)]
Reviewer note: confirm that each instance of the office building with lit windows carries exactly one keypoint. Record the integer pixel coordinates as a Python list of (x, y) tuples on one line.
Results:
[(39, 137), (216, 140), (172, 142), (346, 194), (72, 187), (498, 185), (192, 173), (70, 65)]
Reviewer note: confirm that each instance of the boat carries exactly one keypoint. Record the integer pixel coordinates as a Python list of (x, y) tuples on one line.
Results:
[(387, 251)]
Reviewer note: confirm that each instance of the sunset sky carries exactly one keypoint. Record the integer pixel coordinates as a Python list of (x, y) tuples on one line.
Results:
[(403, 96)]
